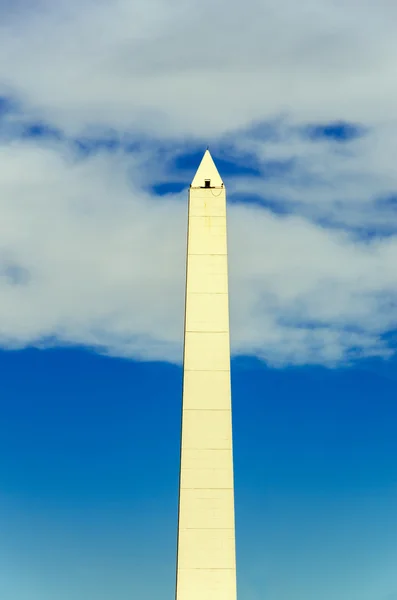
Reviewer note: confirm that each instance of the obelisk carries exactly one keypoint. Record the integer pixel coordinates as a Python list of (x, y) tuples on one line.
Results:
[(206, 560)]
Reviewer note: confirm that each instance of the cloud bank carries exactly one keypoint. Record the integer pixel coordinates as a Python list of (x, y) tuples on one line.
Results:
[(100, 103)]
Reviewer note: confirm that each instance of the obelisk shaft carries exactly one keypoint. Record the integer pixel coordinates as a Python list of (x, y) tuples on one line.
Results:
[(206, 568)]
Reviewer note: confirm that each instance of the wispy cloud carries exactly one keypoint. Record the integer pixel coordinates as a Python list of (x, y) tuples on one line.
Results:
[(105, 112), (147, 64)]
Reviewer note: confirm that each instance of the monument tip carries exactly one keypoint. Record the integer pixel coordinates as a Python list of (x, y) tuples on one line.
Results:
[(207, 174)]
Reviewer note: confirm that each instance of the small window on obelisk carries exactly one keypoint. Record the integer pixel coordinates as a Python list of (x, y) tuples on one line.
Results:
[(207, 183)]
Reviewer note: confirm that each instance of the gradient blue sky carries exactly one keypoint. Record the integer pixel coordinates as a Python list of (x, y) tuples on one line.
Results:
[(104, 115), (89, 476)]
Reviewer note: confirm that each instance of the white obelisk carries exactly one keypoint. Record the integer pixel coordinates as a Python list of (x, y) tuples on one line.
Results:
[(206, 561)]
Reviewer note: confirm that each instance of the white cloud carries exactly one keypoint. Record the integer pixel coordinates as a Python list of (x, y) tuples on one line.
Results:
[(89, 256), (303, 293), (201, 67), (101, 260), (344, 183)]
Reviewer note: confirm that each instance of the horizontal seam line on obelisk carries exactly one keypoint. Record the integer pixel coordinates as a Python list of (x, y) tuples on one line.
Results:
[(205, 448), (207, 528), (206, 331), (206, 568), (229, 489), (209, 409), (207, 293), (207, 370)]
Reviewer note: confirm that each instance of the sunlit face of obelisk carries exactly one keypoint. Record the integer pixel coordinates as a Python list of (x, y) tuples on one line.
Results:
[(206, 564)]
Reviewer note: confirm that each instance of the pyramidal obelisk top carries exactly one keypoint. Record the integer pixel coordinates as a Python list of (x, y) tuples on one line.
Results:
[(207, 172)]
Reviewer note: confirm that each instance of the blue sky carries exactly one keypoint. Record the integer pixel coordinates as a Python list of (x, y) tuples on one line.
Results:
[(84, 437), (104, 116)]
